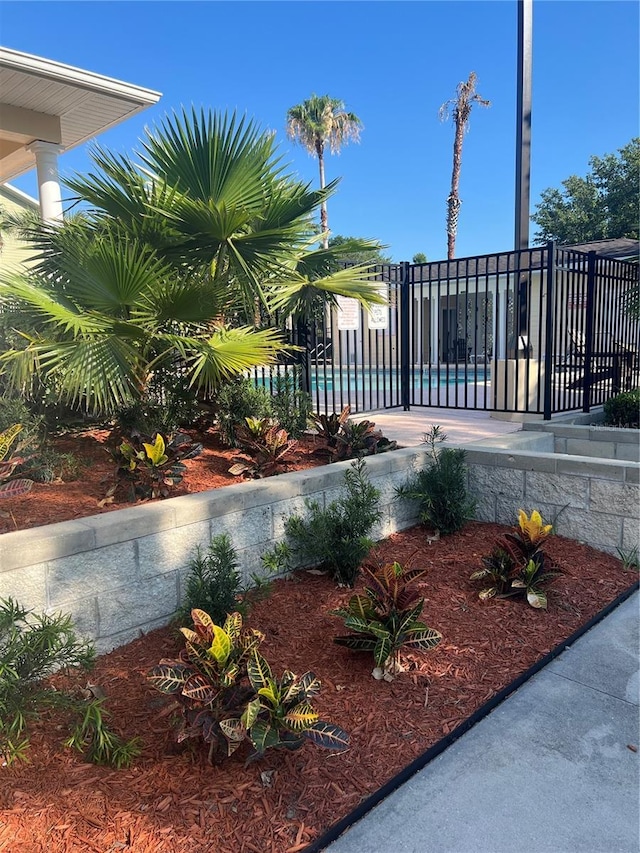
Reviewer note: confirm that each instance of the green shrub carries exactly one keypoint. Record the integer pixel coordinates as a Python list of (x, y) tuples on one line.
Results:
[(441, 489), (623, 410), (14, 410), (39, 460), (33, 647), (12, 485), (290, 405), (49, 465), (236, 401), (337, 538), (144, 417), (169, 405), (213, 581)]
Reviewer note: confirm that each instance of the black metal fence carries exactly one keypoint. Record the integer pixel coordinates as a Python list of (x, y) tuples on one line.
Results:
[(536, 331)]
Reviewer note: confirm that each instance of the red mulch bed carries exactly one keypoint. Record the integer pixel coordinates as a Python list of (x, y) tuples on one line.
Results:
[(172, 800), (48, 503)]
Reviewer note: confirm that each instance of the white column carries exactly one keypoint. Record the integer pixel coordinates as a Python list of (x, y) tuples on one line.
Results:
[(48, 180)]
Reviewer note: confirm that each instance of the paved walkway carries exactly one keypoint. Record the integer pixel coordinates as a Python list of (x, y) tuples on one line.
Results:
[(461, 426), (549, 771)]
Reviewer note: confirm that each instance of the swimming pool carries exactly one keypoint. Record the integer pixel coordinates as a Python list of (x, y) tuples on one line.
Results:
[(363, 379)]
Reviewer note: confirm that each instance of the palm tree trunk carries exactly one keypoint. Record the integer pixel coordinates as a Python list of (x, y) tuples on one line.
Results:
[(453, 201), (324, 219)]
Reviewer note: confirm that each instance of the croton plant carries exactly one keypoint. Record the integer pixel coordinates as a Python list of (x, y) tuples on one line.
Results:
[(227, 693), (518, 564), (10, 459), (148, 466), (386, 618)]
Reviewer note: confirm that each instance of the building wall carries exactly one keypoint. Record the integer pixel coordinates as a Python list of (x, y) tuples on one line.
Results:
[(14, 254)]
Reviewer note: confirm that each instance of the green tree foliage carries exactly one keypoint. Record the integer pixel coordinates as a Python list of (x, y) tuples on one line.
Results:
[(319, 122), (178, 254), (419, 258), (356, 250), (604, 204)]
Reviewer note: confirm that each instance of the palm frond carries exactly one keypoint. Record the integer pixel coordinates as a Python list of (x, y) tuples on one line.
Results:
[(320, 261), (299, 294), (99, 374), (212, 156), (322, 119), (194, 300), (51, 308), (225, 354)]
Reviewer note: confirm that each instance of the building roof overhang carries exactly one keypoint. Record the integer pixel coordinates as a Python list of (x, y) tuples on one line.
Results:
[(43, 100)]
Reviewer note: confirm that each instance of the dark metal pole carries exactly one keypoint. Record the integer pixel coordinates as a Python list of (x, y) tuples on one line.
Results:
[(405, 304), (588, 332), (549, 343), (302, 329), (523, 152), (523, 123)]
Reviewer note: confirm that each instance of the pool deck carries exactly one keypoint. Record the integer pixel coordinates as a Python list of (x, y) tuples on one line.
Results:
[(459, 425)]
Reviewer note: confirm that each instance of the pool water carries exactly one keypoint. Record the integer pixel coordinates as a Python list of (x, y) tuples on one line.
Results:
[(363, 380)]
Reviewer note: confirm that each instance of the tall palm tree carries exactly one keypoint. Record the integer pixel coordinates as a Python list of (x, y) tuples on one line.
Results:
[(460, 108), (167, 263), (318, 122)]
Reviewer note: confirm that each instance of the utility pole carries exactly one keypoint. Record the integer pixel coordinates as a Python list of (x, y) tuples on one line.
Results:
[(523, 124), (523, 155)]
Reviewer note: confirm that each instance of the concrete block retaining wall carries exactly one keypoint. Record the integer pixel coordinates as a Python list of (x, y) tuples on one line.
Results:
[(594, 440), (596, 501), (123, 572)]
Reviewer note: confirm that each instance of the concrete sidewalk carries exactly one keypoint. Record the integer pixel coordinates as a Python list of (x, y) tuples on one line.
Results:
[(549, 771)]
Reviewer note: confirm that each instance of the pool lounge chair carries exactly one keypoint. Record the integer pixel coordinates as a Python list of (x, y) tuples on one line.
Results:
[(616, 363)]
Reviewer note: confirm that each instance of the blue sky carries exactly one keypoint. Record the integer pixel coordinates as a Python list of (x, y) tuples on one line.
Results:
[(394, 64)]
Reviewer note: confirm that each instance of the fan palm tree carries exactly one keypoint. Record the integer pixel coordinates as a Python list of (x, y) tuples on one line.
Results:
[(318, 122), (460, 108), (166, 264)]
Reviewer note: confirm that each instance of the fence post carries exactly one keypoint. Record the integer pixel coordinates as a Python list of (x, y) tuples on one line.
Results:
[(588, 332), (404, 337), (302, 335), (549, 330)]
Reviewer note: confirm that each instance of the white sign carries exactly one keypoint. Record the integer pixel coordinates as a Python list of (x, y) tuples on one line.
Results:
[(348, 314), (379, 314)]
